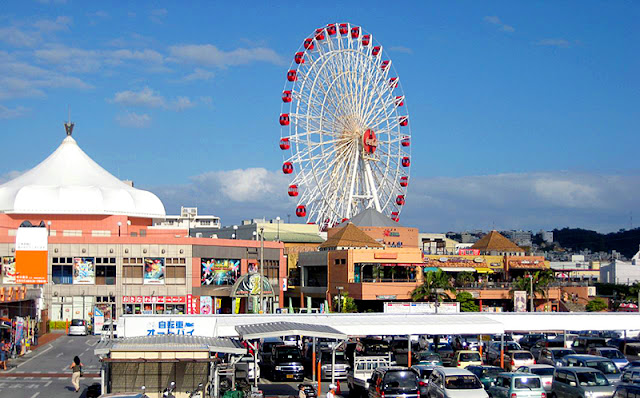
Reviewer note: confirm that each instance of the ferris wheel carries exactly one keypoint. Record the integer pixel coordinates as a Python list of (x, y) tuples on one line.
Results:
[(344, 128)]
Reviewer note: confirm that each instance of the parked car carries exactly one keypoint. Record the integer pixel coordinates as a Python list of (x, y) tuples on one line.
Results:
[(626, 391), (78, 327), (605, 365), (393, 382), (464, 358), (631, 375), (444, 350), (285, 362), (429, 358), (515, 359), (266, 346), (582, 344), (510, 385), (572, 382), (631, 351), (454, 382), (486, 374), (632, 364), (528, 340), (493, 352), (553, 356), (612, 353), (424, 372), (545, 372), (546, 343), (109, 330)]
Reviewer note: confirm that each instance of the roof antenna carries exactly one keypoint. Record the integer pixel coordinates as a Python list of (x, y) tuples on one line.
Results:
[(68, 126)]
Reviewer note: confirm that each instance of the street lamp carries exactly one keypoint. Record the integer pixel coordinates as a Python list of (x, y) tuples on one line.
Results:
[(530, 276), (261, 267), (278, 234), (235, 232), (119, 225), (49, 228), (339, 289)]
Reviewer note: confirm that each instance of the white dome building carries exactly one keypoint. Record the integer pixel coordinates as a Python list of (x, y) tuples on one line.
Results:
[(70, 182)]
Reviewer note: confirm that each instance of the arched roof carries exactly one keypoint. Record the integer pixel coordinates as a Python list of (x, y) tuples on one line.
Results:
[(70, 182)]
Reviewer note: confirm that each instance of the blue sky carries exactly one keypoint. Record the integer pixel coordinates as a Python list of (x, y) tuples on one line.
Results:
[(523, 115)]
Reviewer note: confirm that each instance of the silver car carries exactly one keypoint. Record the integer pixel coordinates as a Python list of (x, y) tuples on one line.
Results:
[(572, 382), (453, 383), (545, 372)]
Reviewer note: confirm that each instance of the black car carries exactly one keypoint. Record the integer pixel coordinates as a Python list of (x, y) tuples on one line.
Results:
[(529, 340), (285, 363), (394, 382), (627, 390), (582, 344)]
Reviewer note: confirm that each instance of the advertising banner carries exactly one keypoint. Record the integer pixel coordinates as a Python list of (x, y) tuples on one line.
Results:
[(154, 271), (206, 305), (520, 301), (469, 252), (158, 325), (84, 271), (98, 320), (154, 300), (219, 271), (8, 270), (31, 255)]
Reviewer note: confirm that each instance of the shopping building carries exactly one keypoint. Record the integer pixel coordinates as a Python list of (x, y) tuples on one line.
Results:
[(107, 247)]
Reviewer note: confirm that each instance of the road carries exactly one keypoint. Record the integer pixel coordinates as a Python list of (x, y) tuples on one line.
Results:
[(45, 372)]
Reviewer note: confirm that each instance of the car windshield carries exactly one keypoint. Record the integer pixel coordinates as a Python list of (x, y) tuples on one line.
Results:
[(425, 373), (592, 379), (522, 355), (606, 367), (511, 346), (469, 357), (488, 372), (526, 382), (288, 353), (77, 322), (401, 379), (562, 353), (462, 383), (612, 354), (340, 358), (430, 357), (543, 371)]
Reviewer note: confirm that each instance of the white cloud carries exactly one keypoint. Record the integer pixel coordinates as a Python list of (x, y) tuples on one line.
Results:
[(135, 120), (210, 55), (8, 113), (494, 20), (158, 15), (145, 97), (61, 23), (17, 38), (198, 74), (562, 43), (182, 103), (401, 49)]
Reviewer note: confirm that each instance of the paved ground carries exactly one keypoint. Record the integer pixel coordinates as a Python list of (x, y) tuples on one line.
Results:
[(45, 371)]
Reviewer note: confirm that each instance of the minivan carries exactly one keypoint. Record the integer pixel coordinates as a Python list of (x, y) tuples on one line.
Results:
[(454, 382), (580, 382), (393, 382), (605, 365), (78, 327), (582, 345), (517, 385)]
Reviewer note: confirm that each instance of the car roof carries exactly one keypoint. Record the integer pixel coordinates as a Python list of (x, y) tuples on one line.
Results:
[(453, 371), (586, 356), (423, 366), (578, 369), (606, 349), (392, 368), (539, 366), (520, 374), (467, 351), (519, 351)]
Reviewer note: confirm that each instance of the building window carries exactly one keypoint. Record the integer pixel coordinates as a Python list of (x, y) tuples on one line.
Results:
[(205, 222), (175, 271), (105, 274), (132, 270), (62, 274)]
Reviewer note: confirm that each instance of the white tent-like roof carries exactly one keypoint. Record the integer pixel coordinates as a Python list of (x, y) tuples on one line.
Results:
[(70, 182)]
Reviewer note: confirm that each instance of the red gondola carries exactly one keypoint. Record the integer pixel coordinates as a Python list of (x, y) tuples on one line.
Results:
[(344, 28), (287, 168), (320, 34), (403, 120), (331, 29), (395, 218), (394, 213), (344, 219), (406, 162), (284, 144), (293, 190), (355, 32), (400, 200), (400, 100), (375, 51), (404, 181), (393, 82), (301, 211), (308, 44), (406, 141), (286, 96), (299, 58), (284, 119), (366, 39), (385, 64), (369, 141), (292, 75)]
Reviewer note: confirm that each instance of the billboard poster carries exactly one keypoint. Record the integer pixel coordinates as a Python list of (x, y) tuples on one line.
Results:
[(154, 271), (520, 301), (206, 305), (31, 255), (84, 271), (98, 320), (9, 270), (219, 271)]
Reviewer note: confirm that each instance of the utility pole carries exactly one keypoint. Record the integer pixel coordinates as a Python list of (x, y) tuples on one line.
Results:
[(531, 296), (261, 268)]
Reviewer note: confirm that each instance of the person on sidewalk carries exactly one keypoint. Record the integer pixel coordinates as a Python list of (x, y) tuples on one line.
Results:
[(332, 391), (76, 369), (3, 354), (301, 393)]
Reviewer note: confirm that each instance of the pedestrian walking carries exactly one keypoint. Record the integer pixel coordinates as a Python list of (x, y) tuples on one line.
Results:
[(76, 368), (301, 393), (332, 391), (3, 354)]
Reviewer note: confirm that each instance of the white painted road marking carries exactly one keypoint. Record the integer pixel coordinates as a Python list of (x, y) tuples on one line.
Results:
[(32, 358), (35, 395), (48, 383), (59, 355)]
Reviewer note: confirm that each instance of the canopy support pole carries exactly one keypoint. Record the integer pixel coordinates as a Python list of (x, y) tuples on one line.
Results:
[(502, 350), (409, 353), (313, 359)]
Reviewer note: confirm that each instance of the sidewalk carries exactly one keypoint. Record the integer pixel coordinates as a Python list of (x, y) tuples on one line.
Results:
[(47, 338)]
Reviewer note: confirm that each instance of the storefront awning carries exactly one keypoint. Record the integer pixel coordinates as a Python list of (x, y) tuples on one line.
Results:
[(457, 269), (484, 270), (430, 269), (279, 329), (171, 342)]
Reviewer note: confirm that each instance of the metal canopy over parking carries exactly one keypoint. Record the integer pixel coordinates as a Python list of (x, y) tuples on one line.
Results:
[(279, 329), (172, 342)]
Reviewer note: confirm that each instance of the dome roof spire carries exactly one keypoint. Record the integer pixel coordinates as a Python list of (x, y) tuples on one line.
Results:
[(68, 126)]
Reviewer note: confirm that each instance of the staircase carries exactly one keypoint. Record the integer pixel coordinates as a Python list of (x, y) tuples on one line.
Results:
[(572, 307)]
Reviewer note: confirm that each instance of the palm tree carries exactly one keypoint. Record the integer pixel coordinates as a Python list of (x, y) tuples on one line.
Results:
[(434, 287), (465, 278), (541, 281)]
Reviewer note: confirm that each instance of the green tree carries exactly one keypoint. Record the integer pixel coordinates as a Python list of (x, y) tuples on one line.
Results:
[(467, 302), (465, 278), (541, 281), (596, 305), (434, 287), (348, 304)]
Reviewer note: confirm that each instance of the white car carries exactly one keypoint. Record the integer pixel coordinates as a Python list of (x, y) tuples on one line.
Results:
[(453, 383), (78, 327)]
